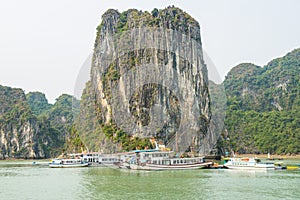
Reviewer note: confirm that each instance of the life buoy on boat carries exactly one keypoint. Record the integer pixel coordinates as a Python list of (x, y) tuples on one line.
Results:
[(245, 159)]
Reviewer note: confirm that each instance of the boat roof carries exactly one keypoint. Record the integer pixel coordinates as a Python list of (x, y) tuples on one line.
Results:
[(146, 150)]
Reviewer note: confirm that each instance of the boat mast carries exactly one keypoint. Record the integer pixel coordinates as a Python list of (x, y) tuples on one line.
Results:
[(176, 144)]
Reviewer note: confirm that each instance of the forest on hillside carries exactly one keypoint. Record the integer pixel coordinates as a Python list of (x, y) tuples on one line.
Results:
[(263, 107)]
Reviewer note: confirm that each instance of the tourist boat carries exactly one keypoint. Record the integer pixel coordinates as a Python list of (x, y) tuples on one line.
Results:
[(96, 159), (108, 159), (154, 159), (247, 163), (91, 157), (68, 163)]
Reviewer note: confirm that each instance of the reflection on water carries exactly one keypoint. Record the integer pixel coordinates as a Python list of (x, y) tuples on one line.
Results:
[(123, 184), (26, 181)]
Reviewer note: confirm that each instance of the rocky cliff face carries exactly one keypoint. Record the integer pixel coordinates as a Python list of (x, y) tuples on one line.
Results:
[(149, 79), (32, 128), (19, 129)]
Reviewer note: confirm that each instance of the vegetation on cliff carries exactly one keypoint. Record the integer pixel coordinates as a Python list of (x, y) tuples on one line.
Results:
[(263, 107), (169, 18), (19, 127), (60, 119), (38, 102), (30, 127), (93, 132)]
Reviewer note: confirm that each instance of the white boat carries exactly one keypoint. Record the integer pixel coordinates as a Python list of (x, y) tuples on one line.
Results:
[(248, 164), (108, 159), (96, 159), (91, 157), (161, 160), (68, 163)]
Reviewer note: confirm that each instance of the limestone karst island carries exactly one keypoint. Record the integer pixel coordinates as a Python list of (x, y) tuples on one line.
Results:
[(149, 105)]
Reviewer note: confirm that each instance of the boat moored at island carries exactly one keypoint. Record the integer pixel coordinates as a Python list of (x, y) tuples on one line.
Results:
[(280, 165), (68, 163), (97, 159), (248, 164), (154, 159)]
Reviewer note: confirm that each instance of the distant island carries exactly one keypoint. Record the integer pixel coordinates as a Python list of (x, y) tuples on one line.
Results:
[(262, 111)]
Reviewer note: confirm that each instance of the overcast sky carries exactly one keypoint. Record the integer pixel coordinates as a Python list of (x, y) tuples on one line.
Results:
[(43, 44)]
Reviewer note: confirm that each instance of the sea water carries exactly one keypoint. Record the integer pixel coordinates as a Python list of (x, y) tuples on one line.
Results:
[(22, 180)]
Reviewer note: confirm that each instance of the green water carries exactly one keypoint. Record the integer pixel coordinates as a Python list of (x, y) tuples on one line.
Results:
[(22, 180)]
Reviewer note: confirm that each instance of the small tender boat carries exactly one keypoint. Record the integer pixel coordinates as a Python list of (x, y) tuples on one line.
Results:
[(161, 160), (292, 167), (40, 163), (68, 163), (280, 165), (248, 164)]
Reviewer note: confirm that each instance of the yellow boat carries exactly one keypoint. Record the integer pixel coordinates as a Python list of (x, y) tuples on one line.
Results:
[(292, 167)]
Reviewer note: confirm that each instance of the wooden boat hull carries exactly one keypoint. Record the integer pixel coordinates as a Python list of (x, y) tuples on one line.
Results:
[(68, 166), (154, 167), (249, 167)]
